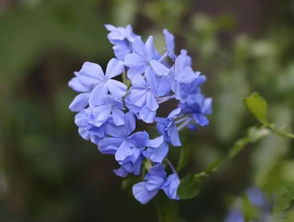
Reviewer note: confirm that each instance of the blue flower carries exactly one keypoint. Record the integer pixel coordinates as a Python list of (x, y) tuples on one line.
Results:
[(156, 150), (104, 83), (168, 128), (198, 106), (108, 107), (125, 146), (258, 200), (142, 99), (144, 56), (154, 181), (88, 128), (184, 76), (142, 113), (121, 38), (118, 35)]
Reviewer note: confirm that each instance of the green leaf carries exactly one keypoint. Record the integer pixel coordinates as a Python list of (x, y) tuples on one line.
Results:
[(184, 156), (284, 198), (257, 105), (189, 187), (249, 211)]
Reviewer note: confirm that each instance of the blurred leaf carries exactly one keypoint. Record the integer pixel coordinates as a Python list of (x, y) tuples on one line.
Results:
[(184, 157), (189, 187), (284, 198), (124, 12), (249, 211), (269, 152), (233, 87), (257, 105), (167, 210)]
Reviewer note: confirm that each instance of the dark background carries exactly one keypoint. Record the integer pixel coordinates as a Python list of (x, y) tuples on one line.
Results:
[(48, 173)]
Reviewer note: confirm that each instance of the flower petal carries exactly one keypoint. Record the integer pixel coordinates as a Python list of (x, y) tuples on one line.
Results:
[(116, 88), (79, 102), (118, 117), (159, 68), (114, 68), (123, 151), (142, 194), (90, 73)]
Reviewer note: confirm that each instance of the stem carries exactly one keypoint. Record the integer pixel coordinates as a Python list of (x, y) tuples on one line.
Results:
[(278, 131), (165, 99), (184, 124), (183, 118), (162, 57), (170, 165)]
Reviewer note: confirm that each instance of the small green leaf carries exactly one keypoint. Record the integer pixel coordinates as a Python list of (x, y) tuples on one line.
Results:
[(285, 198), (189, 187), (257, 105), (183, 160), (249, 211)]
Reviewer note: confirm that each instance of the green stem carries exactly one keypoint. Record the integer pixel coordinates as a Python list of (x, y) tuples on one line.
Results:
[(278, 131)]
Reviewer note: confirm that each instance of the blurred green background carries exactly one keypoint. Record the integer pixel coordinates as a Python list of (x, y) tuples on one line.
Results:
[(48, 173)]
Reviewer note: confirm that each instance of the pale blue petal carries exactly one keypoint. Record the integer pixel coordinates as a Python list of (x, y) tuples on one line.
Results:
[(147, 115), (169, 43), (90, 74), (171, 185), (97, 95), (116, 88), (156, 170), (121, 172), (139, 139), (142, 194), (186, 76), (159, 68), (79, 102), (138, 82), (77, 86), (139, 47), (101, 114), (109, 145), (138, 97), (151, 102), (154, 183), (134, 59), (155, 142), (114, 68), (118, 117), (123, 151), (174, 112), (150, 49), (135, 70), (157, 154)]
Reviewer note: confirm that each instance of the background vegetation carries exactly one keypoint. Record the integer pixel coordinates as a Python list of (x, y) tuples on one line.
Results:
[(48, 173)]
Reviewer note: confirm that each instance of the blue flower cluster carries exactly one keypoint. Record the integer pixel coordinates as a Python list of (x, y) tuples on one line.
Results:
[(260, 203), (108, 109)]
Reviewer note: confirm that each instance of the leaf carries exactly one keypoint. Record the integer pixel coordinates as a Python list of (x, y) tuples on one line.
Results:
[(249, 211), (284, 198), (189, 187), (168, 211), (257, 105), (184, 156)]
